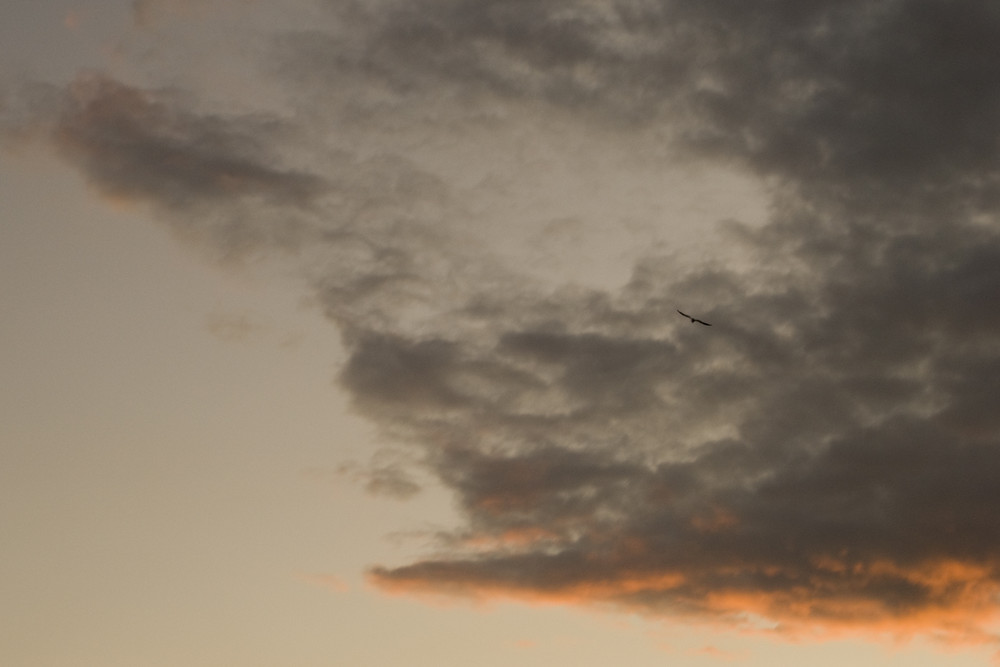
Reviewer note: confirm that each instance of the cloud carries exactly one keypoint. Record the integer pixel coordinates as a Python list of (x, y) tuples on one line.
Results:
[(210, 177), (824, 458), (328, 581), (856, 95), (386, 475), (152, 13), (132, 145), (231, 326)]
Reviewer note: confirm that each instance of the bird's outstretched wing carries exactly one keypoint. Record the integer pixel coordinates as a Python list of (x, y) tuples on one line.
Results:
[(694, 319)]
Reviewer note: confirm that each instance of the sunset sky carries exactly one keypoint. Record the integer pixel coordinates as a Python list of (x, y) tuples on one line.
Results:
[(345, 332)]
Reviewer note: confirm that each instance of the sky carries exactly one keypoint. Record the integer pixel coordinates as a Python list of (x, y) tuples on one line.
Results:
[(346, 332)]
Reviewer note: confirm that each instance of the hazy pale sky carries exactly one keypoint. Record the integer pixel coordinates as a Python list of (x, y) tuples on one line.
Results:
[(345, 332)]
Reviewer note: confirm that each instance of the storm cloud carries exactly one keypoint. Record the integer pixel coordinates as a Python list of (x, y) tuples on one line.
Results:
[(824, 458)]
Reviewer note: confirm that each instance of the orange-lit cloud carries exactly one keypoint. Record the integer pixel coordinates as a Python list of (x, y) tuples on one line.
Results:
[(960, 605)]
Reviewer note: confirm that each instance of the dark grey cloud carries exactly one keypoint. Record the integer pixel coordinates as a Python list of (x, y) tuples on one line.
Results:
[(825, 456), (134, 146), (854, 96), (216, 179)]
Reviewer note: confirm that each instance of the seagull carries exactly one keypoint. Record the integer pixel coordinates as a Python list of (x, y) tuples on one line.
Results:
[(695, 319)]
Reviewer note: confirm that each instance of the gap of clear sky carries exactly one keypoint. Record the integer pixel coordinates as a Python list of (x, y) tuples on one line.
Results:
[(346, 333)]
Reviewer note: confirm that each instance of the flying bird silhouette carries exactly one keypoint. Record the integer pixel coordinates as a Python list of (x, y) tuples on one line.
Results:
[(695, 319)]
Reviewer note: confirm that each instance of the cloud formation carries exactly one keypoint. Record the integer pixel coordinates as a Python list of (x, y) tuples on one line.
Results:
[(826, 457)]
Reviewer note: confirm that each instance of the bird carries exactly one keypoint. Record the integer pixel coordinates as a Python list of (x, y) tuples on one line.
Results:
[(694, 319)]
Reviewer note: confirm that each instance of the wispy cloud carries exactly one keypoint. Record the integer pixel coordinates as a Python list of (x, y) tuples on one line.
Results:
[(328, 581), (134, 146), (825, 457)]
